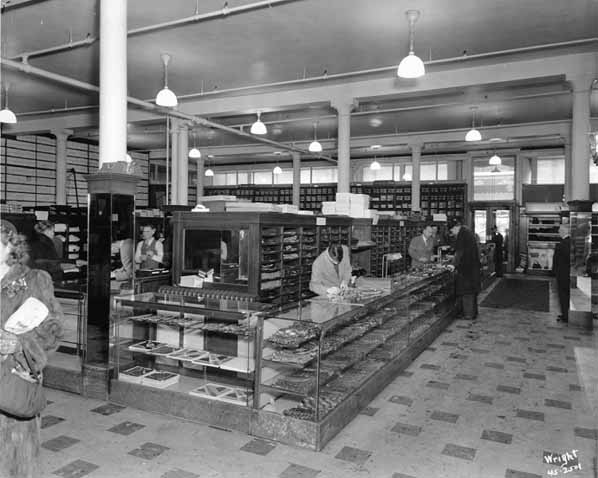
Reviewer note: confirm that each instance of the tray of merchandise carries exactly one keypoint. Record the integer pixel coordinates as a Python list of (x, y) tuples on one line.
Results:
[(152, 347), (294, 336), (300, 356), (302, 382), (226, 328)]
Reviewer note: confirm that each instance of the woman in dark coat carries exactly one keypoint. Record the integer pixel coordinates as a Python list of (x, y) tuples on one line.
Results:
[(43, 253), (467, 268), (19, 438)]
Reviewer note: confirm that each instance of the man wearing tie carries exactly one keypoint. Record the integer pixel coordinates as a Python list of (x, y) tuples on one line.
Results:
[(421, 248)]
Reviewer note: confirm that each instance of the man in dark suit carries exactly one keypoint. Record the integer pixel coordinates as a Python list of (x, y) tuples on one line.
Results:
[(467, 268), (561, 267), (497, 239)]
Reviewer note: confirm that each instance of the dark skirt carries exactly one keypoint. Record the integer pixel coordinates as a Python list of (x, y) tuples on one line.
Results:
[(19, 447)]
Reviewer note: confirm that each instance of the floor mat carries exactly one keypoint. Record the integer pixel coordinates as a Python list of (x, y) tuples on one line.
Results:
[(519, 294)]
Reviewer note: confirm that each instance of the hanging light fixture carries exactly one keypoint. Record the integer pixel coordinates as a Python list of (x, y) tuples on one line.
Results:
[(315, 146), (375, 166), (258, 127), (473, 134), (277, 169), (194, 153), (165, 96), (209, 172), (411, 66), (6, 115), (495, 160)]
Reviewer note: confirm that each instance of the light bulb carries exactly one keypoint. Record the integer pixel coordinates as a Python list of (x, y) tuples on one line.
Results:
[(166, 97), (194, 153), (277, 170), (411, 67), (209, 173), (258, 127), (473, 135), (315, 147), (375, 166), (7, 116), (495, 160)]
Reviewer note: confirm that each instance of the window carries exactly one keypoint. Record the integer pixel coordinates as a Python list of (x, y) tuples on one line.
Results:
[(305, 175), (384, 173), (324, 175), (262, 177), (493, 183), (427, 172), (286, 177), (219, 179), (442, 172), (407, 172), (593, 173), (243, 177), (550, 170)]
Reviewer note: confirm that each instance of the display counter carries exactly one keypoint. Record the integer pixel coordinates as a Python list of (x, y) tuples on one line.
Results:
[(297, 377)]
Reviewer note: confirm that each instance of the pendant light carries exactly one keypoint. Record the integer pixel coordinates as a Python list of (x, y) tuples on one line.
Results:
[(375, 166), (6, 115), (495, 160), (277, 170), (411, 66), (473, 134), (258, 127), (209, 172), (315, 146), (165, 96), (194, 153)]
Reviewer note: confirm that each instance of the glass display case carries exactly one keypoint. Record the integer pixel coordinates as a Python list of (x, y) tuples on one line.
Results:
[(186, 343)]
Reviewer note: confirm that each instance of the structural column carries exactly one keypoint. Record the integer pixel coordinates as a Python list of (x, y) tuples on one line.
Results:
[(580, 145), (113, 81), (296, 179), (344, 108), (568, 169), (416, 151), (61, 139), (200, 177), (183, 166), (174, 160)]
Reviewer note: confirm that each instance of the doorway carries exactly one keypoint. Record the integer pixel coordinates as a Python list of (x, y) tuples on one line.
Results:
[(485, 217)]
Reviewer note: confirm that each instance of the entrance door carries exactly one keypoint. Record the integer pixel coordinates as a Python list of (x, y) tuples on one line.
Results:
[(485, 218)]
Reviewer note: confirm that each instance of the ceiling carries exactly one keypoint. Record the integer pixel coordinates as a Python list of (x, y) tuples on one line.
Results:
[(230, 51)]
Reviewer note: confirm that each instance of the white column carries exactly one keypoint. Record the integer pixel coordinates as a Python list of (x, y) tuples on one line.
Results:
[(296, 178), (416, 151), (113, 81), (580, 145), (200, 177), (344, 108), (61, 139), (174, 160), (183, 166)]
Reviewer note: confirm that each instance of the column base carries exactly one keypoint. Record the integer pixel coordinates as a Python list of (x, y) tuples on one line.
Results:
[(581, 319), (96, 381)]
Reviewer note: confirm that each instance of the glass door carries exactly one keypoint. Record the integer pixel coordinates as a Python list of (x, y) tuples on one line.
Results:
[(485, 217)]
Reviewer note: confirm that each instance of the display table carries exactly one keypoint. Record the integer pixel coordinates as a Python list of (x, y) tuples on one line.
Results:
[(297, 377)]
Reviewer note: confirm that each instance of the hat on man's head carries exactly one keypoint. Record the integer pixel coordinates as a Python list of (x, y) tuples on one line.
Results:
[(454, 221), (7, 226)]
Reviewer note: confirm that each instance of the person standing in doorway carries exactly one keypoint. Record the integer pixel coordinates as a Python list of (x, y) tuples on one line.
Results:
[(466, 264), (498, 241), (150, 252), (561, 267)]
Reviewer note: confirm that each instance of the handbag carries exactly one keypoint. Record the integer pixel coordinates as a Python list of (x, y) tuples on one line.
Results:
[(20, 397)]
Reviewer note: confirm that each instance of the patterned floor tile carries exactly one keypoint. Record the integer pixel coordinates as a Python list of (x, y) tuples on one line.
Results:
[(591, 433), (401, 400), (148, 451), (499, 437), (369, 411), (178, 473), (259, 447), (60, 443), (516, 359), (444, 417), (49, 420), (534, 376), (557, 404), (474, 397), (536, 351), (555, 346), (502, 342), (574, 388), (530, 415), (298, 471), (495, 365), (406, 429), (508, 389), (520, 474), (458, 356), (449, 344), (465, 376), (480, 351), (108, 409), (435, 384), (354, 455), (522, 339), (401, 475), (568, 337), (405, 373), (463, 452), (126, 428), (429, 366), (556, 369), (76, 469)]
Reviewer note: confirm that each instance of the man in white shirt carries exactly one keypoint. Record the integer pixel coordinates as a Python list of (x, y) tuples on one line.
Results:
[(150, 252)]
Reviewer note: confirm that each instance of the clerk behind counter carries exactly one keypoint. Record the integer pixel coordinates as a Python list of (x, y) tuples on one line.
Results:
[(331, 271), (422, 247)]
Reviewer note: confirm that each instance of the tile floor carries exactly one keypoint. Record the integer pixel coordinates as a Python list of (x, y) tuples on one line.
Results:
[(488, 399)]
